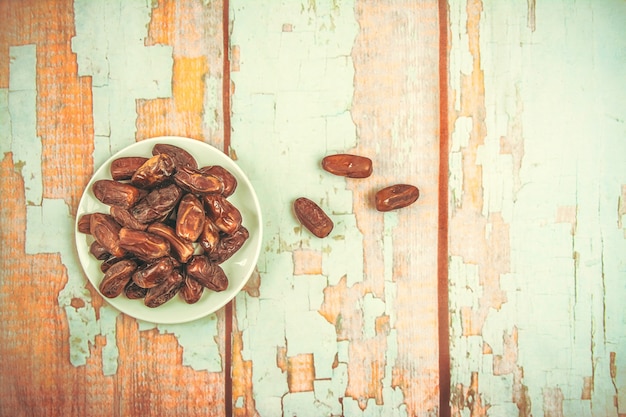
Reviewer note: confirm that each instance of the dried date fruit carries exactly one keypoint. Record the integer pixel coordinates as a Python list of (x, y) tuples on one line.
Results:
[(207, 273), (222, 212), (165, 291), (313, 217), (229, 245), (125, 219), (98, 251), (84, 223), (158, 204), (228, 179), (191, 291), (190, 218), (123, 168), (152, 274), (396, 196), (115, 193), (154, 171), (181, 157), (347, 165), (116, 278), (144, 245), (181, 249), (106, 231), (134, 291), (210, 236), (196, 182)]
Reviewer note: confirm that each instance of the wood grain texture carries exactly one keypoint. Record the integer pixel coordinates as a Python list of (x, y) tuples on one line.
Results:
[(357, 330), (535, 255), (66, 352)]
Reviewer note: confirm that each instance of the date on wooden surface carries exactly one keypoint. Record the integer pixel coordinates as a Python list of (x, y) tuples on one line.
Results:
[(312, 217)]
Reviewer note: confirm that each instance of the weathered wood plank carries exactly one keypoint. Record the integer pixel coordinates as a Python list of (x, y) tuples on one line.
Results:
[(537, 255), (346, 325), (71, 75)]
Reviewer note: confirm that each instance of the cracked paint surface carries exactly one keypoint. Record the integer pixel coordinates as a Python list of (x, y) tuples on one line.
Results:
[(322, 336), (536, 175), (301, 114), (121, 70)]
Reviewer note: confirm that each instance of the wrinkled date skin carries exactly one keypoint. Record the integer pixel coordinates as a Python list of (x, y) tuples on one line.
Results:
[(115, 193), (84, 223), (312, 217), (157, 204), (123, 168), (210, 236), (134, 291), (154, 171), (228, 245), (144, 245), (181, 157), (98, 251), (196, 182), (116, 278), (228, 179), (106, 231), (223, 213), (207, 273), (125, 219), (165, 291), (347, 165), (396, 196), (190, 218), (154, 273), (191, 291), (181, 249)]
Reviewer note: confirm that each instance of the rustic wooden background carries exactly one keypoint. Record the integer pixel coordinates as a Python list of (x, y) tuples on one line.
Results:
[(499, 293)]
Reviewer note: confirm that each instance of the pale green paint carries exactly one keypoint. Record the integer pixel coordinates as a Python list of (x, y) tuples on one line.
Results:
[(560, 89), (291, 107)]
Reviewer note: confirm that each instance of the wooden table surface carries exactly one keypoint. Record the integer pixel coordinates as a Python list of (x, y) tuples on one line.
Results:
[(500, 292)]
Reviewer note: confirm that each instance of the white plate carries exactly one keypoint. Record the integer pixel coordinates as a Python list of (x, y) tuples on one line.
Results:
[(238, 268)]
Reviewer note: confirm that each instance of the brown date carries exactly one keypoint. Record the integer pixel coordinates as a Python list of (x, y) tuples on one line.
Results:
[(222, 212), (165, 291), (125, 219), (144, 245), (190, 218), (228, 179), (347, 165), (84, 223), (228, 245), (98, 251), (210, 236), (116, 278), (181, 249), (196, 182), (157, 204), (313, 217), (123, 168), (106, 231), (396, 196), (115, 193), (191, 291), (112, 260), (181, 157), (154, 171), (153, 273), (134, 291), (207, 273)]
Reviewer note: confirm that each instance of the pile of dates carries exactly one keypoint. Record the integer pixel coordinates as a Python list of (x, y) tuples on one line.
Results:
[(170, 225)]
